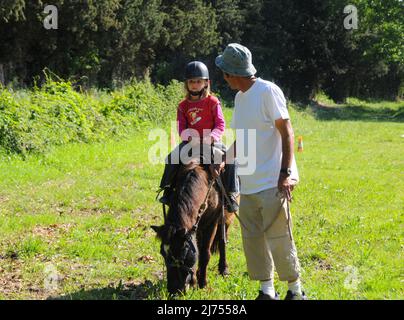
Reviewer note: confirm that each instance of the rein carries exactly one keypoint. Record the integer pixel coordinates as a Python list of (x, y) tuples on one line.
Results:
[(202, 208)]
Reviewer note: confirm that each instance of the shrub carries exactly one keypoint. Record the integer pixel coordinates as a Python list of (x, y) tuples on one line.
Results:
[(57, 114)]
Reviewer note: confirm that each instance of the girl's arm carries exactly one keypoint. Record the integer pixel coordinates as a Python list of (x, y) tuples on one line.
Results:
[(220, 124), (182, 124)]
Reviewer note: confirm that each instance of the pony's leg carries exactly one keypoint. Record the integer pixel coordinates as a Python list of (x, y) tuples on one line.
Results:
[(223, 267), (193, 281), (204, 254)]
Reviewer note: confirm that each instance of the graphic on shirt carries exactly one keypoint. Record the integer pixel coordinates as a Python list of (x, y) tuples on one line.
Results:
[(193, 114)]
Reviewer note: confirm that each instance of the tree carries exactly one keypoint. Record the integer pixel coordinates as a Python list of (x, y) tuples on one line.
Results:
[(301, 45), (189, 33)]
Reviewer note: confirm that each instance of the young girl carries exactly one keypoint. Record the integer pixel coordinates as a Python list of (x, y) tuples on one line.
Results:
[(200, 117)]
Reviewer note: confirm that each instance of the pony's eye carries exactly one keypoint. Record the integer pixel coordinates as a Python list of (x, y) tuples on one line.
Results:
[(166, 247), (164, 250)]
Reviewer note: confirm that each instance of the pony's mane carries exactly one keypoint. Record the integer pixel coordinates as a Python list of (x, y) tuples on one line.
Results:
[(191, 186)]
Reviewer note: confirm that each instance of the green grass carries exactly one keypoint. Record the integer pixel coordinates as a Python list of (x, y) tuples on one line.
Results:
[(85, 210)]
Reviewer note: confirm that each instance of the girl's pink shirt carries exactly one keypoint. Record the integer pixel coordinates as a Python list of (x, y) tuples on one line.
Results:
[(205, 116)]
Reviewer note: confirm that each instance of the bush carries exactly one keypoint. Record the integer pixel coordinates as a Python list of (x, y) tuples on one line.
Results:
[(57, 114)]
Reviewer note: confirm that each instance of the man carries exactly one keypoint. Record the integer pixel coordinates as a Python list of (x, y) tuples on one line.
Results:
[(264, 214)]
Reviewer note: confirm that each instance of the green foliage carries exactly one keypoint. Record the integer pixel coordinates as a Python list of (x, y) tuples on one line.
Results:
[(301, 45), (56, 114), (10, 9)]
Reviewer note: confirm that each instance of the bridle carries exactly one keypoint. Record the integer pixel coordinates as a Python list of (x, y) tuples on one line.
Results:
[(188, 256)]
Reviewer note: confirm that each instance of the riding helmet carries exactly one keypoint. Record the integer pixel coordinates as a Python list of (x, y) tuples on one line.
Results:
[(196, 69)]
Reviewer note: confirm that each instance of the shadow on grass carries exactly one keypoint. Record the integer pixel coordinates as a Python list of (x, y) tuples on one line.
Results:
[(357, 113), (142, 291)]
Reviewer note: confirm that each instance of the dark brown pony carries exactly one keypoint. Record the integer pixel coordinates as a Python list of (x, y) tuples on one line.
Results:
[(187, 239)]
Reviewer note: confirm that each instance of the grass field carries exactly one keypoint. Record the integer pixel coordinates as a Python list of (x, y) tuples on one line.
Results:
[(75, 223)]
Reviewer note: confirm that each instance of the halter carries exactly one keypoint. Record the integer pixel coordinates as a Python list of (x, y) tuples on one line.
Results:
[(188, 257)]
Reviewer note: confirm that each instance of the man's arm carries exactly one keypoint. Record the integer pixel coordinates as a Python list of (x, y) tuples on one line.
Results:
[(288, 139), (286, 131)]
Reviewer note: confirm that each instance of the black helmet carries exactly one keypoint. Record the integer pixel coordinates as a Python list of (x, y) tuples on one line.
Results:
[(196, 69)]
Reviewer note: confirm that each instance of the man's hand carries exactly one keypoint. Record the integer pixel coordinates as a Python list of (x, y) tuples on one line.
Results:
[(215, 169), (285, 186)]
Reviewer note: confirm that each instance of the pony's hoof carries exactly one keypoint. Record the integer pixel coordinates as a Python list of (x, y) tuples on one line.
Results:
[(224, 272), (193, 282)]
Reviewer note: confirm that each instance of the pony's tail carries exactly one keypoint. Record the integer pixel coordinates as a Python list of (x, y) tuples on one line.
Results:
[(215, 245), (229, 217), (218, 237)]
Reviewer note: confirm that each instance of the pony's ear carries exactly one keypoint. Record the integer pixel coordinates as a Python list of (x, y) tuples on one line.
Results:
[(158, 230)]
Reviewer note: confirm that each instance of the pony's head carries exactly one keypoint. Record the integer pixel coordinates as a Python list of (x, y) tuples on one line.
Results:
[(179, 250)]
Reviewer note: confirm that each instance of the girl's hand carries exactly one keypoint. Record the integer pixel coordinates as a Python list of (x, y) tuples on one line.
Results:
[(193, 141), (208, 140), (215, 169)]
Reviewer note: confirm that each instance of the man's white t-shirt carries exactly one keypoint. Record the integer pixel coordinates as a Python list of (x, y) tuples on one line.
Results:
[(258, 108)]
